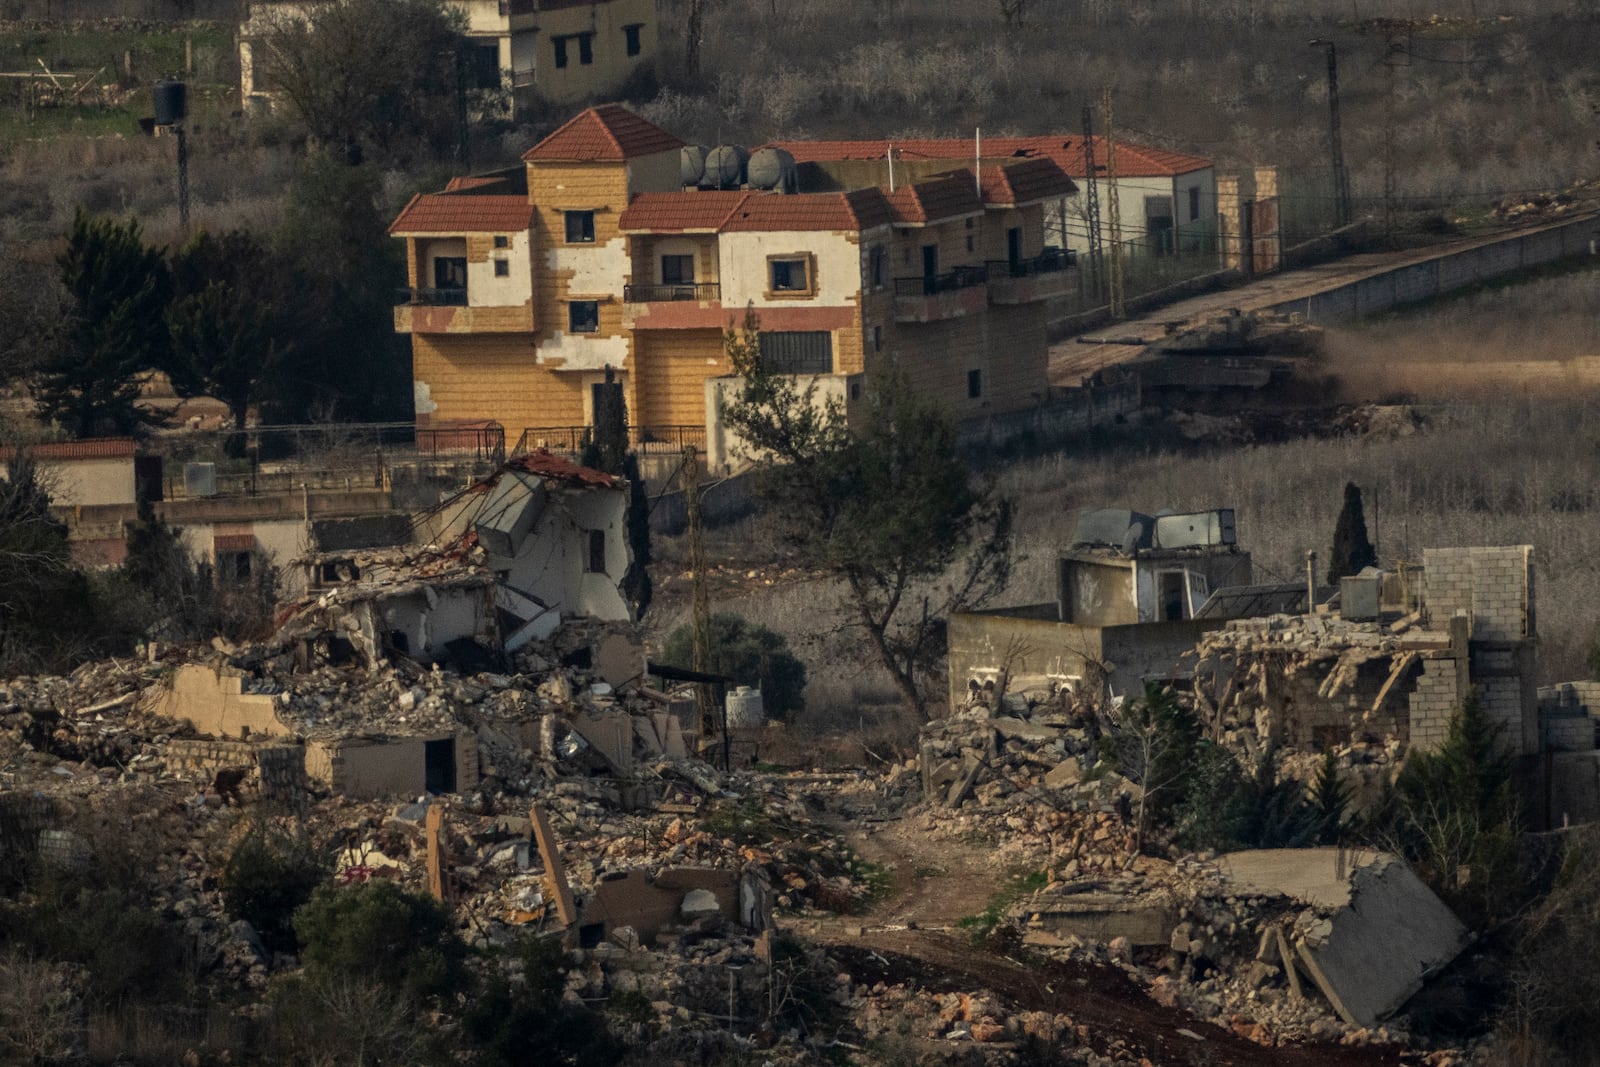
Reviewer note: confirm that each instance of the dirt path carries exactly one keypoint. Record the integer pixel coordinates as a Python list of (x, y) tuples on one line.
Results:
[(909, 937)]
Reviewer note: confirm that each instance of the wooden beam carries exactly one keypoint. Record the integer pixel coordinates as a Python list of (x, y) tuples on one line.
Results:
[(555, 872), (433, 828)]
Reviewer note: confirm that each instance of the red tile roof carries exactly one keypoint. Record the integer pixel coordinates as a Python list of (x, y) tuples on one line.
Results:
[(1133, 161), (860, 209), (463, 212), (472, 181), (606, 133), (93, 448), (950, 197), (560, 469), (682, 212), (1026, 181)]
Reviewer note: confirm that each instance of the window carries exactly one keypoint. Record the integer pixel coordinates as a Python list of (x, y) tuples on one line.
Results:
[(502, 268), (797, 352), (586, 48), (597, 552), (974, 384), (877, 266), (502, 241), (677, 270), (450, 272), (583, 316), (877, 338), (560, 44), (969, 242), (580, 227), (630, 33), (1194, 203), (790, 274), (233, 566)]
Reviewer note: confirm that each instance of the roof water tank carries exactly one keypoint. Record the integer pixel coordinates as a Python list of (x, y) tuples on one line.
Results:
[(692, 163), (772, 168), (171, 102), (745, 708), (725, 166)]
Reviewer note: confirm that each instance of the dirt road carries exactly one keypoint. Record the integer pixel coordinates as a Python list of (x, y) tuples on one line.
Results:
[(909, 937)]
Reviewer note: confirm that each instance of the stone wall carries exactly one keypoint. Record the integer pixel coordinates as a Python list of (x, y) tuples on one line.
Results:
[(1434, 702), (283, 774), (192, 757)]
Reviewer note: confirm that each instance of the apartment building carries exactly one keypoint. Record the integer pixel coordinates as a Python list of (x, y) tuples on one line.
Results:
[(529, 287), (562, 51)]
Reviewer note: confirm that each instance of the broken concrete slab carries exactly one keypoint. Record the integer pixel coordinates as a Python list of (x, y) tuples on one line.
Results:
[(1066, 774), (1013, 729), (1380, 934)]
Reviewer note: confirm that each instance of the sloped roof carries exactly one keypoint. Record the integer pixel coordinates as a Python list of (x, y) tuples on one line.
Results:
[(606, 133), (463, 213), (93, 448), (859, 209), (1026, 181), (950, 197), (560, 469), (1133, 160), (680, 212), (472, 181)]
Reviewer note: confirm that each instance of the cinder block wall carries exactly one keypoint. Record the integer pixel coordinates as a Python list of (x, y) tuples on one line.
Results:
[(1493, 586), (1433, 703)]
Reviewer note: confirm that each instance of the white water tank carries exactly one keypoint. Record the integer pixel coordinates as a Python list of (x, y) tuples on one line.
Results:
[(745, 708)]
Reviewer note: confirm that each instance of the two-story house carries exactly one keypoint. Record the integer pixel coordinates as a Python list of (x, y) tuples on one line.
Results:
[(560, 50), (529, 286)]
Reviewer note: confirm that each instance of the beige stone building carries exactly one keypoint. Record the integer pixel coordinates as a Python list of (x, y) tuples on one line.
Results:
[(561, 51), (529, 286)]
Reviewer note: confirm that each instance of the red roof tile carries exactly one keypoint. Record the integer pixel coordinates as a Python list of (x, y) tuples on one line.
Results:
[(950, 197), (606, 133), (860, 209), (681, 212), (558, 468), (1133, 161), (464, 213), (472, 181), (1026, 181), (93, 448)]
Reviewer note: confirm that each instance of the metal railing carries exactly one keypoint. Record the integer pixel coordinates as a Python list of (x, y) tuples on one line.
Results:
[(646, 294), (432, 297), (1046, 262), (933, 284), (571, 440)]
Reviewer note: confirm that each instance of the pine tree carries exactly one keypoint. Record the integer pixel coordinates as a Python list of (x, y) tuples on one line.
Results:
[(119, 290), (1352, 551)]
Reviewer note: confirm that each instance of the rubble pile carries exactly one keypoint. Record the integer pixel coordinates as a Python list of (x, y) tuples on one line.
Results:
[(80, 724)]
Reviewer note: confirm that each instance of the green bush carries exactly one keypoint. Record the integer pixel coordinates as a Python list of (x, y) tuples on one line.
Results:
[(269, 875), (378, 932), (751, 655), (517, 1023)]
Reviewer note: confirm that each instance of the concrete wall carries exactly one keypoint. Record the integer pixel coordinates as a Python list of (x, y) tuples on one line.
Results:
[(1493, 586), (215, 704), (1066, 415), (611, 66), (1447, 272), (746, 278), (363, 767), (87, 482)]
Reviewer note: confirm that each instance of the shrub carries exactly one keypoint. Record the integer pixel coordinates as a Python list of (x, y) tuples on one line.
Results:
[(269, 875), (520, 1023), (380, 933), (751, 655)]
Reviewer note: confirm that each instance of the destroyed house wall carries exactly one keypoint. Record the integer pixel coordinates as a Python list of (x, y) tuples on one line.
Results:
[(398, 766), (213, 701), (1097, 592), (1492, 586), (421, 624)]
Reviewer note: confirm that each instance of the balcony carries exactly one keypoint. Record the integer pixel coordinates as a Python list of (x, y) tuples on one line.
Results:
[(674, 306), (1026, 281), (937, 297), (447, 311)]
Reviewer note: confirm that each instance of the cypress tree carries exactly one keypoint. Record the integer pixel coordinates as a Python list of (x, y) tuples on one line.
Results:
[(1352, 551)]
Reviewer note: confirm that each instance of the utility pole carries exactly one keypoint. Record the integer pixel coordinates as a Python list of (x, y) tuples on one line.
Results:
[(1115, 208), (1091, 202), (1341, 179), (700, 612)]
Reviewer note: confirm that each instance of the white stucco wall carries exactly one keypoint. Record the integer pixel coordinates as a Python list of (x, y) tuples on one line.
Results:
[(744, 268), (1131, 194), (485, 289), (85, 482), (552, 566)]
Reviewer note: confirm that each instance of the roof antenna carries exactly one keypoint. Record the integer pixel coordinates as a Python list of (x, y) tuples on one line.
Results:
[(977, 160), (891, 168)]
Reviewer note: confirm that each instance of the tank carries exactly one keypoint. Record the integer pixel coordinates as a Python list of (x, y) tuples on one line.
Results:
[(772, 168), (745, 708), (171, 102), (725, 166), (692, 163)]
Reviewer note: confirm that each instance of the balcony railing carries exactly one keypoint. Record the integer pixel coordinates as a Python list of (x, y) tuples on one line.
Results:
[(647, 294), (432, 297), (646, 439), (933, 284), (1047, 262)]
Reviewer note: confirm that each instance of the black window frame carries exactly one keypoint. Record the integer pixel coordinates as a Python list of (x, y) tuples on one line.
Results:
[(632, 35), (560, 45), (679, 261), (974, 385), (456, 266), (1194, 202), (585, 226), (787, 264), (796, 351), (595, 557), (502, 241), (878, 266), (502, 268), (578, 321), (585, 49)]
